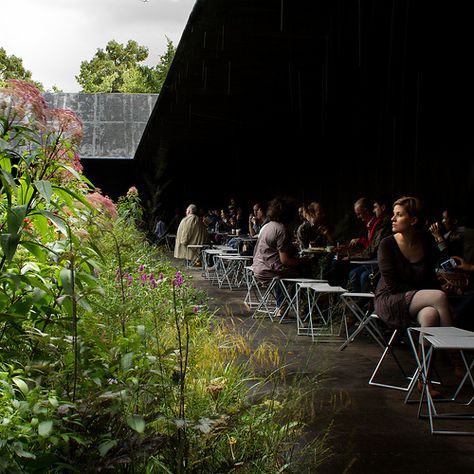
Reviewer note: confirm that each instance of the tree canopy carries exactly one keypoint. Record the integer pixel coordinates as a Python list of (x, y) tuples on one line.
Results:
[(118, 68), (11, 67)]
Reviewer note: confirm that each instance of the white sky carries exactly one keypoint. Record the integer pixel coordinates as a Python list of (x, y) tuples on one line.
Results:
[(53, 37)]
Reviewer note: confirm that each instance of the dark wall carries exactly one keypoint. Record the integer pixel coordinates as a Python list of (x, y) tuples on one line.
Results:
[(325, 100), (113, 177)]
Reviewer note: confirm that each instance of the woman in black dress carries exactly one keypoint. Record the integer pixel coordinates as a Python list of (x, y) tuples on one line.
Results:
[(408, 291)]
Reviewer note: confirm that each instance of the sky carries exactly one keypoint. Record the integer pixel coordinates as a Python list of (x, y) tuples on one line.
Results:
[(53, 37)]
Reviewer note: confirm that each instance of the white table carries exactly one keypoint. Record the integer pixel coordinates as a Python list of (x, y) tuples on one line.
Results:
[(444, 338), (353, 302), (316, 321)]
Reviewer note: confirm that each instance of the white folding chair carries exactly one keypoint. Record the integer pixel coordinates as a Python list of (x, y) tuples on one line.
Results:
[(407, 381), (267, 304)]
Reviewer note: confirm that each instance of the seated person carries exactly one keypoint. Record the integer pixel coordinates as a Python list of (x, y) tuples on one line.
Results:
[(314, 231), (338, 271), (361, 277), (257, 219), (447, 235), (462, 297), (274, 254), (408, 291)]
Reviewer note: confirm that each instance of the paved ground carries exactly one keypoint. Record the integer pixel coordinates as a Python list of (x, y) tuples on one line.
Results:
[(374, 430)]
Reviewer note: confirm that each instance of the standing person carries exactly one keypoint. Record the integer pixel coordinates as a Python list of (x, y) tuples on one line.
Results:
[(408, 291), (274, 254), (191, 231)]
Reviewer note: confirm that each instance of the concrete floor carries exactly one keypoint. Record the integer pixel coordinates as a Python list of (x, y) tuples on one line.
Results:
[(373, 429)]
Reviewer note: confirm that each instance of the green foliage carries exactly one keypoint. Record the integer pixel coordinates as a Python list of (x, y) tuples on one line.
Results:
[(119, 69), (110, 357), (11, 67), (129, 207)]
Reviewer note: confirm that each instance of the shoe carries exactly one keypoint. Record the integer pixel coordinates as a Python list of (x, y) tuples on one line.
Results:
[(433, 392)]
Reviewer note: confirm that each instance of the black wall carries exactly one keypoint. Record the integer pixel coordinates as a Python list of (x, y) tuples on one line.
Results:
[(326, 100)]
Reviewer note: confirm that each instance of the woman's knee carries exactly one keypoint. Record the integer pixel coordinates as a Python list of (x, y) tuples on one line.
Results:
[(428, 316), (440, 298)]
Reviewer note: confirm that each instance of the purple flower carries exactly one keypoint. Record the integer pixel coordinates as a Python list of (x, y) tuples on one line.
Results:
[(143, 278), (129, 279), (141, 267), (196, 309), (153, 283), (178, 279), (162, 276)]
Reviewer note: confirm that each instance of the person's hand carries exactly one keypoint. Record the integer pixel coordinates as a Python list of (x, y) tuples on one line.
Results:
[(435, 230), (354, 242), (323, 230), (461, 264)]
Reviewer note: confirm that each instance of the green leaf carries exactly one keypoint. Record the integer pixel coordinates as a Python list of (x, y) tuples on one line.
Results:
[(136, 422), (9, 244), (45, 189), (5, 164), (25, 193), (84, 303), (60, 224), (19, 451), (106, 446), (35, 249), (65, 278), (45, 428), (15, 218), (126, 361), (21, 384), (8, 180), (40, 224), (63, 192)]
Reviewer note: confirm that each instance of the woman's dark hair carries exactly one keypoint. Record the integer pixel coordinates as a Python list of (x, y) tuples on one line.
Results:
[(282, 210)]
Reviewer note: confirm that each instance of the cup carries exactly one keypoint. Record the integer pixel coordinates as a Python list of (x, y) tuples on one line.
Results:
[(237, 231), (232, 231)]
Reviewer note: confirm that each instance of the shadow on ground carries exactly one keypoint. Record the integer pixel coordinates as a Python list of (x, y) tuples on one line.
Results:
[(373, 429)]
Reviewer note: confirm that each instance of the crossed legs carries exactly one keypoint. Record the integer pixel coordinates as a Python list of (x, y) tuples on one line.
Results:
[(431, 308)]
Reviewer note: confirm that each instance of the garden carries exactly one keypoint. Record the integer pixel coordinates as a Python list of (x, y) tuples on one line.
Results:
[(110, 358)]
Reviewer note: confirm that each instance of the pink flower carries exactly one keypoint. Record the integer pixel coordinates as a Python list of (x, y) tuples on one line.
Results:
[(178, 279), (102, 204), (196, 309)]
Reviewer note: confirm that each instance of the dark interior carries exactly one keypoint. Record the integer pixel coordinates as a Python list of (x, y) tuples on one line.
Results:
[(323, 100)]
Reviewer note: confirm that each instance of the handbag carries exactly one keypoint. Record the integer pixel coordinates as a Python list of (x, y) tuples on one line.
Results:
[(453, 283)]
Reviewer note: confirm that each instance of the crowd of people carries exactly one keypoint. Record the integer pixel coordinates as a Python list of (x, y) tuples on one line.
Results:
[(423, 267)]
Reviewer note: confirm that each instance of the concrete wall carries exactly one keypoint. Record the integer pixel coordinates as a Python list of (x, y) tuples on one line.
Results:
[(113, 123)]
